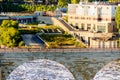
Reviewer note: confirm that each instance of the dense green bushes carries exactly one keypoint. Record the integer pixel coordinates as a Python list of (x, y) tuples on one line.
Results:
[(50, 5), (9, 23), (60, 40), (27, 7), (9, 34), (117, 18), (33, 29), (7, 7)]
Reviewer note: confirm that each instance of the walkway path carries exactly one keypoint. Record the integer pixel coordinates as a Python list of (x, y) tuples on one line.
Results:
[(67, 25)]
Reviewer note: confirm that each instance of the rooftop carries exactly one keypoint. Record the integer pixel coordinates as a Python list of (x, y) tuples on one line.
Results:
[(99, 3)]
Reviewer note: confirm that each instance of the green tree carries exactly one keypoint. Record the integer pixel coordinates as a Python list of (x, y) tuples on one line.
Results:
[(9, 23), (10, 36), (75, 1), (113, 0), (62, 3), (117, 18), (47, 2)]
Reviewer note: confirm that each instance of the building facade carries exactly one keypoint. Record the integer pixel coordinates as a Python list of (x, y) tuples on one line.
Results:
[(93, 18), (20, 17)]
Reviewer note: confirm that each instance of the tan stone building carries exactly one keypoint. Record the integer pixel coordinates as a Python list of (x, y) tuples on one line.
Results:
[(91, 20)]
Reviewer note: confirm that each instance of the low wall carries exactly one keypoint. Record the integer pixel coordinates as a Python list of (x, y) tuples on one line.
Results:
[(19, 50)]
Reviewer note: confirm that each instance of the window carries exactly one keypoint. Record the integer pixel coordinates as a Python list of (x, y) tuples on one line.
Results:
[(88, 26), (99, 19), (76, 25), (82, 26), (113, 19), (76, 17), (94, 28), (101, 28), (83, 18), (94, 19)]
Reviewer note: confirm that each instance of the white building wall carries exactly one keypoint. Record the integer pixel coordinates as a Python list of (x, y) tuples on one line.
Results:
[(92, 10), (72, 8)]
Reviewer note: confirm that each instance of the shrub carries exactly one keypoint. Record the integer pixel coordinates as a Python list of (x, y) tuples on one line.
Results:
[(21, 43)]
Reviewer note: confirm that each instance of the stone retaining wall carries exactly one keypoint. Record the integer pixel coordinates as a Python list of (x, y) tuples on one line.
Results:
[(8, 50)]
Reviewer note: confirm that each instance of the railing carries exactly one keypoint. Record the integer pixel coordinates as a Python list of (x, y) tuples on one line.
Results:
[(19, 50)]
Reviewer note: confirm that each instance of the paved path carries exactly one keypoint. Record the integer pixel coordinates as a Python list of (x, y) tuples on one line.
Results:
[(68, 26)]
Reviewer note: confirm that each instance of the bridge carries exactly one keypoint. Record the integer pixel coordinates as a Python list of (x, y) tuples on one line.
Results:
[(83, 65)]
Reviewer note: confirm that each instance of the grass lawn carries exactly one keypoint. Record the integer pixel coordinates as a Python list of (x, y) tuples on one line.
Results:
[(60, 40)]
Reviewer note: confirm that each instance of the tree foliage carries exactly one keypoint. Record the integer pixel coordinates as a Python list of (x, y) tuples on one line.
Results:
[(62, 3), (113, 0), (50, 5), (8, 7), (29, 8), (117, 18), (26, 7), (75, 1), (10, 36), (9, 23)]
